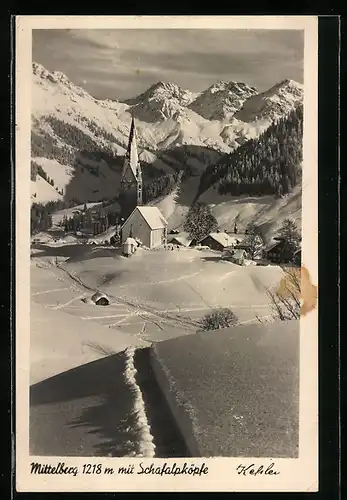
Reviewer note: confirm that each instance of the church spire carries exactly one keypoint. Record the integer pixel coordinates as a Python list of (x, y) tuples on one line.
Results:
[(131, 174), (131, 157)]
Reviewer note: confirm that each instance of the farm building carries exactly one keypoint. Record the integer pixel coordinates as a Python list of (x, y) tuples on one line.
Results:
[(183, 239), (277, 251), (100, 299), (297, 257), (253, 246), (237, 256), (146, 224), (220, 241), (129, 246)]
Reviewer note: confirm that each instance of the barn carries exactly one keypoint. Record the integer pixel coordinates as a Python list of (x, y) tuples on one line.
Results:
[(182, 239), (277, 251), (219, 241), (237, 256), (146, 224), (100, 299), (297, 257)]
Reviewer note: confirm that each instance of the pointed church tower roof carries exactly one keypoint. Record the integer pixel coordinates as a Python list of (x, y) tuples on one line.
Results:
[(131, 157)]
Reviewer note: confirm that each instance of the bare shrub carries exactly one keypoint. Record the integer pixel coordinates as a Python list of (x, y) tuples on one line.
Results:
[(285, 301), (220, 318)]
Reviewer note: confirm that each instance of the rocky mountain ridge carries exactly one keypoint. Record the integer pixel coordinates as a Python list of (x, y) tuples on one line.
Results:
[(80, 141)]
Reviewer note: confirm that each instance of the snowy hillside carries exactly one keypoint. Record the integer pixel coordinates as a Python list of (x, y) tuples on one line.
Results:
[(79, 141), (267, 212)]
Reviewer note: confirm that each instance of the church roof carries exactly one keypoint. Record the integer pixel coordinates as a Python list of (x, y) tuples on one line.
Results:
[(153, 217), (239, 253), (130, 241)]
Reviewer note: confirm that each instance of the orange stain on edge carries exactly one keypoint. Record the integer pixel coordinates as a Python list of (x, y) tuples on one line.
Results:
[(298, 282), (309, 292)]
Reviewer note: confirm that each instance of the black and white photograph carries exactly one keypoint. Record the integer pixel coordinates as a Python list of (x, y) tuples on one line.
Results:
[(166, 218)]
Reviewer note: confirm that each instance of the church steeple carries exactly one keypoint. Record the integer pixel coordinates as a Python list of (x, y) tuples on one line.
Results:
[(131, 180)]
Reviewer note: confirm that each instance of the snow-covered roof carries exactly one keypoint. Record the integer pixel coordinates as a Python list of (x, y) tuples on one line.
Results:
[(252, 360), (99, 295), (239, 253), (153, 217), (130, 241), (182, 238), (226, 239), (273, 244)]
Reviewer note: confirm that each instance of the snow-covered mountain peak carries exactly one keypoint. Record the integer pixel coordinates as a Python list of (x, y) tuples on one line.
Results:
[(222, 99), (44, 77), (163, 90), (231, 86), (39, 70), (160, 101), (290, 86), (291, 83), (272, 104), (54, 76), (166, 87)]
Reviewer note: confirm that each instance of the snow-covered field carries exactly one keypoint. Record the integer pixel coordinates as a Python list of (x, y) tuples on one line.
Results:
[(60, 341), (154, 295), (82, 356)]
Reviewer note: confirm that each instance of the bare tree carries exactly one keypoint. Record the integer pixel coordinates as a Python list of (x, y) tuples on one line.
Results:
[(285, 301)]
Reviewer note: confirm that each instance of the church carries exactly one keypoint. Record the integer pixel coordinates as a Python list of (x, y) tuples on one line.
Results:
[(130, 193), (144, 223)]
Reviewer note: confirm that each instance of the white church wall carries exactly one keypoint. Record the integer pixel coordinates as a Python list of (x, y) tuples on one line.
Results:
[(157, 237), (139, 228)]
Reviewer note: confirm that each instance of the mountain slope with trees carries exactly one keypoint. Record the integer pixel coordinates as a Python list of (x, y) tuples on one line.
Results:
[(270, 164)]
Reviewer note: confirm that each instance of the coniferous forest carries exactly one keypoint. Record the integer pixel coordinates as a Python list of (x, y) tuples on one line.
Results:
[(40, 218), (268, 165)]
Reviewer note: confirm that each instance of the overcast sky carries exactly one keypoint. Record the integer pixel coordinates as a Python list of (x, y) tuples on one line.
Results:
[(118, 64)]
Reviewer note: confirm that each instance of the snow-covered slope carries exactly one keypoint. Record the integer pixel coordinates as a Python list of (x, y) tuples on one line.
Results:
[(268, 212), (42, 191)]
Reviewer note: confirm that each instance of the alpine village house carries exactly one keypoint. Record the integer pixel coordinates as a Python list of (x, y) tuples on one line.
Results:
[(145, 224)]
